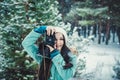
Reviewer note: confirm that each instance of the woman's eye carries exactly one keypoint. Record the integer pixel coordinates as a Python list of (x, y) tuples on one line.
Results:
[(58, 39), (61, 39)]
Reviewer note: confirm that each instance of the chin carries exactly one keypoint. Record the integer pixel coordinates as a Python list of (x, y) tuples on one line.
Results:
[(59, 49)]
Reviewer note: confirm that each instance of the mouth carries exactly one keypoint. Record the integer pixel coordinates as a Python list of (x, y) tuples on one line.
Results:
[(58, 47)]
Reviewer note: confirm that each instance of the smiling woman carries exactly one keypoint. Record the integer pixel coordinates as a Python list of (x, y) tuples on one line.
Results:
[(60, 63)]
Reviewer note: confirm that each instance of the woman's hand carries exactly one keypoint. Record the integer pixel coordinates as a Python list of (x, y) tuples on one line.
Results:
[(50, 47), (50, 30), (53, 52)]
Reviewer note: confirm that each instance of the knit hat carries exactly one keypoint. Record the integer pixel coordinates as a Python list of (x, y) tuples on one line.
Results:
[(61, 30)]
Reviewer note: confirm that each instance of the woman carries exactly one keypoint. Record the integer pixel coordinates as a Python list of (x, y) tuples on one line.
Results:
[(62, 63)]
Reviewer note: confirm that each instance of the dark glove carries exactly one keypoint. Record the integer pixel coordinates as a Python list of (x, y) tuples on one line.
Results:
[(40, 29), (54, 53)]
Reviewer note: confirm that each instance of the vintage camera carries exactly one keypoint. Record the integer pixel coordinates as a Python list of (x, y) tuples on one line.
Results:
[(43, 49)]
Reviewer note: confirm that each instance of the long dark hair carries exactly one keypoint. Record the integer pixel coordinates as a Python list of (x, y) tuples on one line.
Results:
[(64, 52), (45, 65)]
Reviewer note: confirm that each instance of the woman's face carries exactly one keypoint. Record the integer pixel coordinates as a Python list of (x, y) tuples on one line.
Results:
[(59, 42)]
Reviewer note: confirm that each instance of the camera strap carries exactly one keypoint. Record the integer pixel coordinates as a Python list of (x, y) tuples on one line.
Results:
[(45, 65)]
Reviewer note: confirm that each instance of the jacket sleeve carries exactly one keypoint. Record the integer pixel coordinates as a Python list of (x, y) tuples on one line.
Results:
[(66, 74), (29, 45)]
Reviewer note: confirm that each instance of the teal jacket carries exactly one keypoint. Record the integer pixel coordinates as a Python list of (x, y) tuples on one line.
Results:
[(57, 72)]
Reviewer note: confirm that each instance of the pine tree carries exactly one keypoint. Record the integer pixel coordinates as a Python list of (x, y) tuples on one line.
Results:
[(18, 17)]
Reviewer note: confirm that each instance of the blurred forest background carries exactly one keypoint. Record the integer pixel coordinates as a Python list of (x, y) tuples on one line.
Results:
[(18, 17)]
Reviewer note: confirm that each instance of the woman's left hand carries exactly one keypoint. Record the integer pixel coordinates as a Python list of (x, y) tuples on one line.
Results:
[(50, 47)]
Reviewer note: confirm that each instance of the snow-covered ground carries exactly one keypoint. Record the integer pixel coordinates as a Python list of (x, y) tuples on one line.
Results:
[(100, 61)]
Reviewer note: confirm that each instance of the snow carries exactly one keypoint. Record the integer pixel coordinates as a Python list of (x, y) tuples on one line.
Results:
[(100, 61)]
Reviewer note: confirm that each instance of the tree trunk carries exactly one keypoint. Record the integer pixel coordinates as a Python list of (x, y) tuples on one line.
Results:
[(99, 32), (107, 32)]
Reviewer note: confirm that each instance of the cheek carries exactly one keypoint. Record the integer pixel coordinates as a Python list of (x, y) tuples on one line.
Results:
[(62, 43), (59, 43)]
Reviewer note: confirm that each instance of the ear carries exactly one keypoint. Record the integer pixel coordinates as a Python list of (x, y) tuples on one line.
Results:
[(74, 50)]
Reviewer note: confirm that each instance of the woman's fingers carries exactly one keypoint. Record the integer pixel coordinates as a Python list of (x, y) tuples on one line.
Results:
[(53, 30), (50, 30), (55, 46), (51, 48)]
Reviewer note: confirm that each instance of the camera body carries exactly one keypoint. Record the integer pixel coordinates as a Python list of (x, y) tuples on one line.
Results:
[(43, 49), (50, 40)]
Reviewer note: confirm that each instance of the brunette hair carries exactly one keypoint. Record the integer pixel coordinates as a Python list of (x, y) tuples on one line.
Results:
[(64, 52)]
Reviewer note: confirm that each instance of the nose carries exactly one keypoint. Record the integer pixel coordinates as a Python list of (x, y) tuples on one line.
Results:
[(57, 42)]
